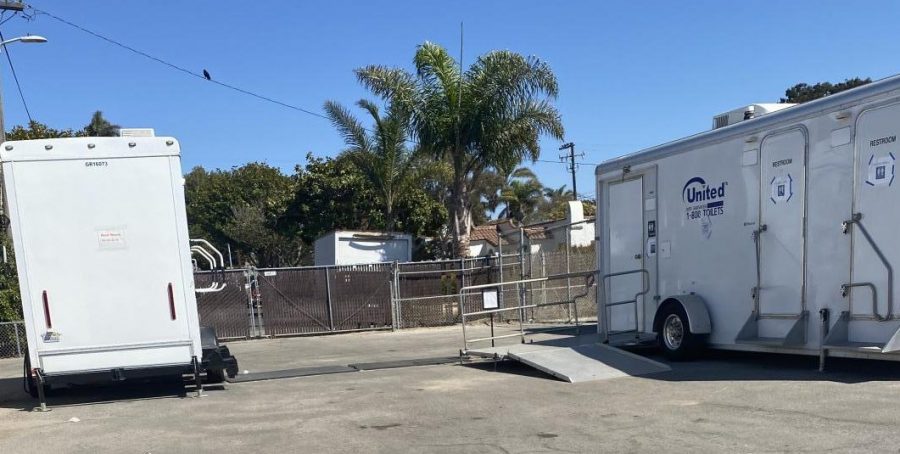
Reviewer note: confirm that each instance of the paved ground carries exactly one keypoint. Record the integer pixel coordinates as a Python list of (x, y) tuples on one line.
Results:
[(725, 403)]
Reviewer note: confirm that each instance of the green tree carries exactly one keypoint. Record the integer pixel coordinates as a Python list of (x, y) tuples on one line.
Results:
[(100, 127), (259, 238), (802, 92), (10, 299), (521, 195), (382, 156), (244, 207), (331, 194), (488, 117), (38, 130)]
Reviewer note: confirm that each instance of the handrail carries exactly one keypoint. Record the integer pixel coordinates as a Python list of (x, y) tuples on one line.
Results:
[(857, 219), (845, 291), (645, 288), (215, 286), (755, 292), (552, 277), (215, 266)]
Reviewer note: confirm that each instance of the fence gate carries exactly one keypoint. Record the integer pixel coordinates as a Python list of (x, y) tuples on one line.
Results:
[(226, 310)]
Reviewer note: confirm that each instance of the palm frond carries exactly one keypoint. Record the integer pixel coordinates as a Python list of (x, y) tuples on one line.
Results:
[(348, 126)]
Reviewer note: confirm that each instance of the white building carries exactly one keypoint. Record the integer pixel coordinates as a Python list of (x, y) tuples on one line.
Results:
[(349, 247), (548, 236)]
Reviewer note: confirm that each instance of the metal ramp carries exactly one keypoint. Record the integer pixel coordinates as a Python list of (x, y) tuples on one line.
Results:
[(574, 359), (574, 363)]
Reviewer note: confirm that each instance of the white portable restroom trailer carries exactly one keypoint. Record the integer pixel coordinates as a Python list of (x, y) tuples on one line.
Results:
[(776, 233), (104, 261)]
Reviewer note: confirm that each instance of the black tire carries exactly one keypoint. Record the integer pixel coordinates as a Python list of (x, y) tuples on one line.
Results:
[(215, 376), (674, 335)]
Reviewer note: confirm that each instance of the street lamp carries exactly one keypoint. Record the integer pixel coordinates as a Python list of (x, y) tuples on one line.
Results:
[(24, 39)]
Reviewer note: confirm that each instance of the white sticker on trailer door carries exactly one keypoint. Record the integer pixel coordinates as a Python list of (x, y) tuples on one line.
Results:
[(881, 170), (111, 238)]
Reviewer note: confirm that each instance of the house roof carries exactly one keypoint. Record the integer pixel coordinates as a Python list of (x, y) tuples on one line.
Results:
[(488, 232)]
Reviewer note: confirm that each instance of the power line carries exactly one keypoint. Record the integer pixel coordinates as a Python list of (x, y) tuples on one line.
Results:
[(16, 77), (177, 67), (198, 75), (564, 162)]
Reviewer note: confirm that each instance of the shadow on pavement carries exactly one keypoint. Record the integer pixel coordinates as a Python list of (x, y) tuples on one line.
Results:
[(13, 395), (720, 365)]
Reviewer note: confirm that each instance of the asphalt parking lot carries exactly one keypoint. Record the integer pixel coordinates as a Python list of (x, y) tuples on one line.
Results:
[(727, 402)]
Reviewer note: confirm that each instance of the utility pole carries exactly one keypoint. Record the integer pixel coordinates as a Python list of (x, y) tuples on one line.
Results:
[(570, 156)]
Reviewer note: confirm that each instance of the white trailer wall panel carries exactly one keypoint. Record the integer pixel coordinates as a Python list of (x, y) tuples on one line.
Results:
[(100, 235)]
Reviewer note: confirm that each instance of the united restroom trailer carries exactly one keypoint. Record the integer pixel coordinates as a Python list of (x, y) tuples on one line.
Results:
[(104, 261), (775, 232)]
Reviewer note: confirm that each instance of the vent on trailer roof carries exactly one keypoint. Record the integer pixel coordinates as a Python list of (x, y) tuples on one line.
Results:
[(746, 113), (137, 132)]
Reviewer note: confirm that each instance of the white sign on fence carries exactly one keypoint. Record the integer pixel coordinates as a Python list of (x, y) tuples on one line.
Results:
[(489, 299)]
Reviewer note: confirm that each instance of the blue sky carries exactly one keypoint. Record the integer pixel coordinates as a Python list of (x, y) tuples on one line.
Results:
[(632, 74)]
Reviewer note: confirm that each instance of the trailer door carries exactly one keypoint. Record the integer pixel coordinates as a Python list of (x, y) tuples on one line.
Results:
[(782, 212), (876, 199), (625, 252)]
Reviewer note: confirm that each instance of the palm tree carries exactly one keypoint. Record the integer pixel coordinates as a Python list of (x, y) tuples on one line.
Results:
[(522, 194), (558, 194), (100, 126), (381, 155), (489, 117), (555, 203)]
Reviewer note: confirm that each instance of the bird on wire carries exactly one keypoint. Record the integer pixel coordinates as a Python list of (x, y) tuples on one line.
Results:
[(206, 75)]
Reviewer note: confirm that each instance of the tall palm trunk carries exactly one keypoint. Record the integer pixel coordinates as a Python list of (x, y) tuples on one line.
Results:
[(389, 214), (460, 216)]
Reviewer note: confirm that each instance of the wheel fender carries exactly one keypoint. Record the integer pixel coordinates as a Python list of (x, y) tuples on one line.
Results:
[(694, 307)]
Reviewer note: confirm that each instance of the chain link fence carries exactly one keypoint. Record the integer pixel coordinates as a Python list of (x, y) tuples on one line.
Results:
[(311, 300), (12, 339), (427, 293), (227, 310)]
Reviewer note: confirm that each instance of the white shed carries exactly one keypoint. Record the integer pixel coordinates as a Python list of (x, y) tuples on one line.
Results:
[(348, 247)]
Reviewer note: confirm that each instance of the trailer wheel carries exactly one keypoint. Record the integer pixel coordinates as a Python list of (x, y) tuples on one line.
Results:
[(215, 376), (674, 337)]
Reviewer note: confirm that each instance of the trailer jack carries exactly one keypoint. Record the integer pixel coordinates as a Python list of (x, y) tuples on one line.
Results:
[(41, 384), (198, 382)]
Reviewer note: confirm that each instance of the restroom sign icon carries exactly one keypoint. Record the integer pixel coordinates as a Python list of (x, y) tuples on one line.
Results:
[(782, 189), (881, 170)]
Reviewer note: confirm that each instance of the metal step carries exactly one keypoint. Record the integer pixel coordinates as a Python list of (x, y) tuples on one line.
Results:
[(763, 341), (869, 347), (795, 336), (631, 340)]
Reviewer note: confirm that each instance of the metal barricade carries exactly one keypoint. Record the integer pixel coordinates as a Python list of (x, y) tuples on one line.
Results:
[(590, 281)]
